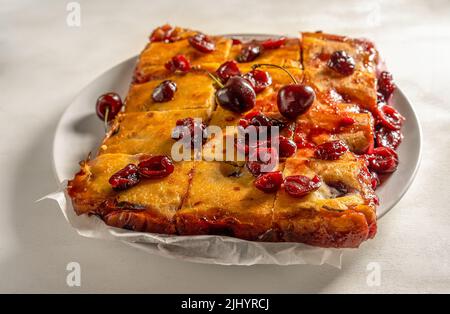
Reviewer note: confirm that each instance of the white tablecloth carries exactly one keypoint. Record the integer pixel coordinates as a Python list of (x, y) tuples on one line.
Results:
[(44, 63)]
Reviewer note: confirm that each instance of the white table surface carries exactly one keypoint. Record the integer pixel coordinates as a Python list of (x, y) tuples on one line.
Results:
[(44, 64)]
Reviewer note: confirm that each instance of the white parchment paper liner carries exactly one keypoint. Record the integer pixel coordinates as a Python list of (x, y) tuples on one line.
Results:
[(201, 249)]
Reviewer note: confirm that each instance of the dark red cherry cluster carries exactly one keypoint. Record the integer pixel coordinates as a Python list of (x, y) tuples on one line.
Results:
[(238, 93), (296, 186), (155, 167), (286, 147)]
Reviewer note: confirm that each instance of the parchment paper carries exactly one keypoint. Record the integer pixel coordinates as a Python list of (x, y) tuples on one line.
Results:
[(201, 249)]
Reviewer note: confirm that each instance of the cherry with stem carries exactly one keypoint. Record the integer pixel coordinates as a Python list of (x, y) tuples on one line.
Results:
[(294, 99)]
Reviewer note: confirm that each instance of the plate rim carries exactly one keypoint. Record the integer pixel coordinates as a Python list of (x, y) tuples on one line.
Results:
[(404, 189)]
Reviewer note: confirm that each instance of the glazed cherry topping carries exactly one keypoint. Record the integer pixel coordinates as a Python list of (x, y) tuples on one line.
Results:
[(287, 147), (294, 100), (227, 70), (125, 178), (237, 95), (269, 182), (341, 63), (195, 129), (386, 84), (273, 43), (259, 79), (346, 121), (202, 43), (236, 41), (299, 186), (165, 33), (110, 102), (389, 117), (382, 160), (178, 63), (262, 160), (257, 118), (249, 53), (374, 180), (165, 91), (156, 167), (388, 138), (330, 150)]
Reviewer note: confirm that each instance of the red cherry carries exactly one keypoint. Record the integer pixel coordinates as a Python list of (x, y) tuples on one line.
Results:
[(294, 100), (236, 41), (237, 95), (382, 160), (386, 84), (179, 62), (165, 91), (249, 53), (202, 43), (196, 131), (269, 182), (165, 33), (388, 138), (274, 43), (299, 186), (125, 178), (341, 63), (346, 121), (227, 70), (261, 157), (259, 79), (389, 117), (156, 167), (287, 147), (330, 150), (110, 101)]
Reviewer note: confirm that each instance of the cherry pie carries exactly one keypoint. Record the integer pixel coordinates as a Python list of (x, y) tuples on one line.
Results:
[(337, 134)]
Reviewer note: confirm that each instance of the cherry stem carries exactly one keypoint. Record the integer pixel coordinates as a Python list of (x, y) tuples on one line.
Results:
[(259, 65), (215, 79), (106, 119)]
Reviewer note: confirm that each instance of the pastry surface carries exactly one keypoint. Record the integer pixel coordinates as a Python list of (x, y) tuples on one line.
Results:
[(220, 197)]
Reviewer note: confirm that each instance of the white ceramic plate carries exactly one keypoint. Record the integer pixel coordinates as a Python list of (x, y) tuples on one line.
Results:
[(79, 131)]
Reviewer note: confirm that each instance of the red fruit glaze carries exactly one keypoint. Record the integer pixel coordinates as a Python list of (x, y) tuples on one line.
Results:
[(386, 84), (273, 43), (388, 138), (330, 150), (156, 167), (269, 182), (299, 186), (125, 178), (202, 43), (382, 160), (179, 62)]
